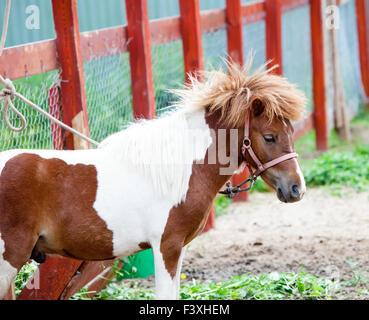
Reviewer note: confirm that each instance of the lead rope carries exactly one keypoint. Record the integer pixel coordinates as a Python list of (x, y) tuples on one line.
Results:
[(230, 191), (8, 93)]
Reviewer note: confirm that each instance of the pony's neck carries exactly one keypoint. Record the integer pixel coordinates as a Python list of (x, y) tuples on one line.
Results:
[(212, 173)]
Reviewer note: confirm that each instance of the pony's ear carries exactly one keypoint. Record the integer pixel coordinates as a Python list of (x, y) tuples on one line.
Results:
[(257, 107)]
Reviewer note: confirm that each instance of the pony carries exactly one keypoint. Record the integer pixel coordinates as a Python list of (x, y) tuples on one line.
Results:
[(152, 184)]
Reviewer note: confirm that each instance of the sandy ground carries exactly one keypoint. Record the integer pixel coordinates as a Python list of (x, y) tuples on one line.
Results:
[(325, 235)]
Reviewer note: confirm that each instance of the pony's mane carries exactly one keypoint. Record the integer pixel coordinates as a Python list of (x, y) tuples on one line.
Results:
[(163, 149), (233, 93)]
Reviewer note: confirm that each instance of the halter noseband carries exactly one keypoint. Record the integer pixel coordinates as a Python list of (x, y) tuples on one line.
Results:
[(254, 174)]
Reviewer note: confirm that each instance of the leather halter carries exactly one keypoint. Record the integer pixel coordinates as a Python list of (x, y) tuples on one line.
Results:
[(261, 167)]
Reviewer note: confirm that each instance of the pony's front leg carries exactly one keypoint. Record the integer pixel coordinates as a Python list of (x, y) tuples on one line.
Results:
[(167, 281)]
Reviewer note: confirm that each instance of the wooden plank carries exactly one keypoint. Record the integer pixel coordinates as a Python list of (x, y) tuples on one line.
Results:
[(317, 54), (140, 59), (26, 60), (362, 21), (54, 275), (103, 43), (273, 33), (289, 5), (191, 36), (303, 127), (165, 30), (94, 274), (213, 20), (72, 86), (253, 12), (235, 52)]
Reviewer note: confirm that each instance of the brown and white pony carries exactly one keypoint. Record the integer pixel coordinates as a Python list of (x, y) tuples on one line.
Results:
[(151, 185)]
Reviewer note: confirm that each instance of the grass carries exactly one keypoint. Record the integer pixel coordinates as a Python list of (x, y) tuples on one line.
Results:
[(271, 286), (340, 169), (23, 275)]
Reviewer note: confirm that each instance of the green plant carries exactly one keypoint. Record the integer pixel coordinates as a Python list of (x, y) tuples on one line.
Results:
[(339, 169), (272, 286), (23, 275), (221, 204)]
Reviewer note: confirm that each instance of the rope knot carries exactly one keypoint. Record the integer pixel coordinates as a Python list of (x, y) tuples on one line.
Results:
[(8, 94), (9, 89)]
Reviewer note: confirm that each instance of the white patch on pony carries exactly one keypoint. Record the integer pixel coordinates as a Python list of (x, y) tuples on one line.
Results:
[(300, 174), (166, 287), (164, 149), (7, 271)]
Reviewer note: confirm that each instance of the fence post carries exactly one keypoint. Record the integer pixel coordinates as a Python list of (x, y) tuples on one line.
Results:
[(72, 87), (191, 36), (235, 52), (193, 55), (362, 24), (139, 48), (317, 53), (273, 33)]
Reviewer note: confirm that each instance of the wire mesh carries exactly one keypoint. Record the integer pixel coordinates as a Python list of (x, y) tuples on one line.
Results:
[(108, 94), (296, 50), (41, 90), (348, 51), (214, 47), (254, 43), (168, 72)]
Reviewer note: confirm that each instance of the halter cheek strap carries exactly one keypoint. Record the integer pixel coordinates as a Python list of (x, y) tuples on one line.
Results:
[(260, 167)]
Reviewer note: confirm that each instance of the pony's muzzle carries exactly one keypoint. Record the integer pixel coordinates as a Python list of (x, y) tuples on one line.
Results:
[(290, 193)]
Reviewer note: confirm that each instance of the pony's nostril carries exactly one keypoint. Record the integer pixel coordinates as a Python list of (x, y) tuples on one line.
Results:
[(295, 190)]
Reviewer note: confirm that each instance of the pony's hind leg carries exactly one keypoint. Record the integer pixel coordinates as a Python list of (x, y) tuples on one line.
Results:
[(7, 272), (15, 250)]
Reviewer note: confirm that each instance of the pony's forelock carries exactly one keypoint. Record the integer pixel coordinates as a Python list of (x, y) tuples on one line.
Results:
[(233, 93)]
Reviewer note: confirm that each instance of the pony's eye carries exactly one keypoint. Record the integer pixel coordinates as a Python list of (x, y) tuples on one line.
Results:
[(269, 138)]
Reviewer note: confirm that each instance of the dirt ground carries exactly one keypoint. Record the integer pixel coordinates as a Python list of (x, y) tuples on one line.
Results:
[(322, 234)]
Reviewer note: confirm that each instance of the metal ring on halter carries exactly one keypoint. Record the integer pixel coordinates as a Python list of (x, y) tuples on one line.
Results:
[(247, 142)]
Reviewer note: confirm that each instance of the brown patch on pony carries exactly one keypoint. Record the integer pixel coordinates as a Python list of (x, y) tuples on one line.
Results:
[(233, 93), (144, 245), (188, 219), (48, 204)]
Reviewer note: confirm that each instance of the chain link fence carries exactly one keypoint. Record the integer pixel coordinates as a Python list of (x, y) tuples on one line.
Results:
[(168, 72), (296, 49), (42, 90), (108, 94), (214, 49), (348, 54)]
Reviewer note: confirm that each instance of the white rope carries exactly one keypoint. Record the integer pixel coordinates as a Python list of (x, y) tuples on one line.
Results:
[(5, 26), (8, 93)]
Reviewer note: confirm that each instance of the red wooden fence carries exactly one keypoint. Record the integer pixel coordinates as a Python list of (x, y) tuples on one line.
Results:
[(317, 53), (70, 49), (236, 54), (363, 38)]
